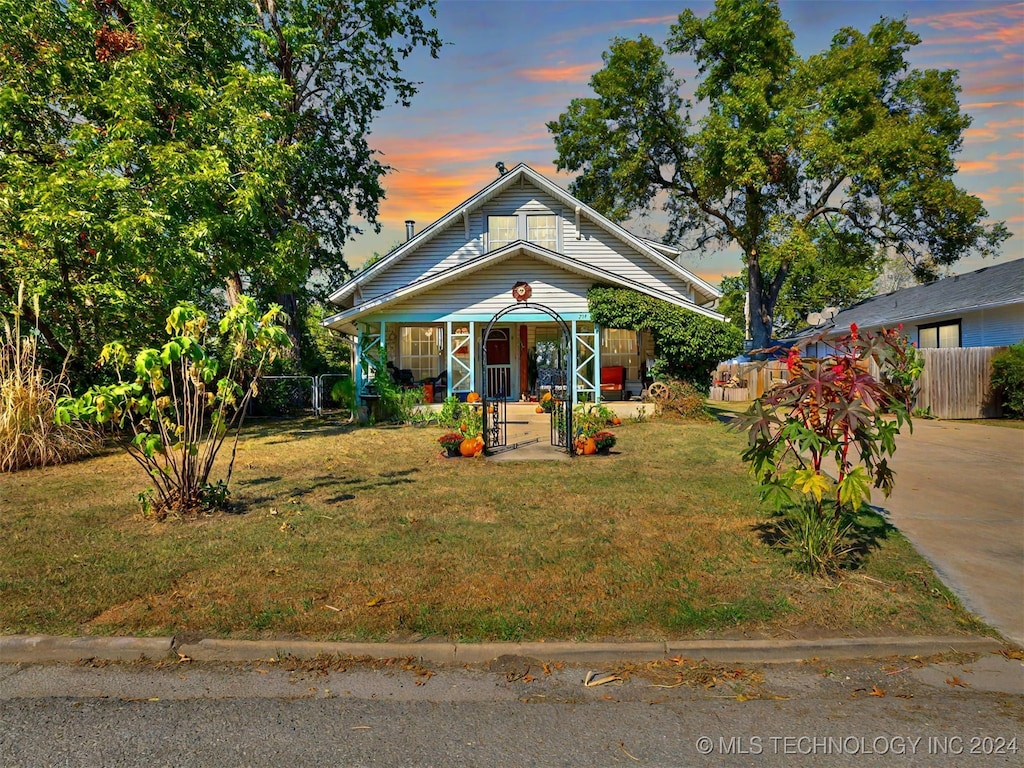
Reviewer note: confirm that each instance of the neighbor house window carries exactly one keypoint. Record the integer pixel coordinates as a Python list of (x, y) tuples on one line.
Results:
[(940, 335), (543, 230), (501, 230), (420, 350), (618, 347)]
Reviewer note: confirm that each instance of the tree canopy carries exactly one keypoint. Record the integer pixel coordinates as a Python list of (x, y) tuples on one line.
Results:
[(776, 145), (153, 151)]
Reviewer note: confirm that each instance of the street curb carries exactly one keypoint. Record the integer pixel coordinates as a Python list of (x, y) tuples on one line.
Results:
[(43, 648), (37, 648)]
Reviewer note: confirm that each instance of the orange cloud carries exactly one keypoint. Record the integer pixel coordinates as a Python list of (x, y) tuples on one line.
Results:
[(977, 166), (567, 73), (981, 135), (1017, 155), (997, 195), (991, 88), (993, 104), (1014, 122)]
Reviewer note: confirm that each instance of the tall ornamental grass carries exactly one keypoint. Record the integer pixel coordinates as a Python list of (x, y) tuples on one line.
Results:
[(29, 436)]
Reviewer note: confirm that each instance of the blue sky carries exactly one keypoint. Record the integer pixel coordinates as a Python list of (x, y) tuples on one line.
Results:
[(510, 66)]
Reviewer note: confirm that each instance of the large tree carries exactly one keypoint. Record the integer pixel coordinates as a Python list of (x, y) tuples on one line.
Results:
[(776, 143), (159, 150)]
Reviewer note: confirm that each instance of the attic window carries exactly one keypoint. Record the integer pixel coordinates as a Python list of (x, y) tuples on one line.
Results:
[(543, 230), (501, 230)]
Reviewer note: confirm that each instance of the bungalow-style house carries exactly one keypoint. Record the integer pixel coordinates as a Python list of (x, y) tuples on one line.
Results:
[(494, 294), (984, 308)]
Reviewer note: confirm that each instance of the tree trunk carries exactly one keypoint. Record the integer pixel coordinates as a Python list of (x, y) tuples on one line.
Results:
[(290, 304), (233, 284), (761, 305)]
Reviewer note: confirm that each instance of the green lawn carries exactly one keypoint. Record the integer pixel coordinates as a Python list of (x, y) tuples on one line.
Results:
[(368, 533)]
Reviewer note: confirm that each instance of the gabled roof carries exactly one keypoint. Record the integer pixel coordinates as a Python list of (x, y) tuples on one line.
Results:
[(656, 252), (517, 248), (995, 286)]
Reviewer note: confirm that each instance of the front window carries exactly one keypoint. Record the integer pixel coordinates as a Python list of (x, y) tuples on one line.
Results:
[(501, 230), (420, 350), (941, 335), (618, 347), (543, 230)]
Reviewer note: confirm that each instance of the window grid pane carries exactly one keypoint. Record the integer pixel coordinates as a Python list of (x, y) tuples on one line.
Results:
[(618, 347), (419, 351), (501, 230), (542, 230)]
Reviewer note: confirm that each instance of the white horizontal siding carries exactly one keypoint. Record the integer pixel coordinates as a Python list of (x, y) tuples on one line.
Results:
[(595, 247), (450, 248), (490, 289), (445, 250), (600, 249), (992, 327)]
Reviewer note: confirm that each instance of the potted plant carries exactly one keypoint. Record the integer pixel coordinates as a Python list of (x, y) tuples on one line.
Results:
[(451, 441), (604, 441)]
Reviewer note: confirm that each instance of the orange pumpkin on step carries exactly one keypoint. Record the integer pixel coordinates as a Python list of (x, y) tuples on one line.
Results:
[(538, 409), (589, 447)]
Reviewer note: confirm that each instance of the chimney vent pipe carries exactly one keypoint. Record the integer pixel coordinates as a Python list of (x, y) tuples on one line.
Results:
[(410, 229)]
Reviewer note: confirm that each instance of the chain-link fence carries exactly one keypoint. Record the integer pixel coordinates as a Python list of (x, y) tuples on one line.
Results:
[(299, 395)]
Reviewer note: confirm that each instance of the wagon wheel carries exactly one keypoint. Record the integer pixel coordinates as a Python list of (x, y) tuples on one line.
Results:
[(658, 390)]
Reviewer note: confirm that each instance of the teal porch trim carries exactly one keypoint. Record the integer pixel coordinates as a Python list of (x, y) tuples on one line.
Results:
[(426, 317)]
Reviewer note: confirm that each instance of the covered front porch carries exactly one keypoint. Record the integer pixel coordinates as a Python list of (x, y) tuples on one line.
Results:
[(527, 354)]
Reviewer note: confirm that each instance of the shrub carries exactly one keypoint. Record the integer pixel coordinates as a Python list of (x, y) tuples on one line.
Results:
[(176, 413), (1008, 379), (830, 409), (685, 400), (29, 434), (688, 345)]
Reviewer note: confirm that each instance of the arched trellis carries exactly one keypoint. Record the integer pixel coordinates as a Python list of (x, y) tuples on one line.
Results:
[(561, 420)]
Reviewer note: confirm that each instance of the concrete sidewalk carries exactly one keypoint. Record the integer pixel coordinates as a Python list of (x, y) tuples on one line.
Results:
[(959, 498)]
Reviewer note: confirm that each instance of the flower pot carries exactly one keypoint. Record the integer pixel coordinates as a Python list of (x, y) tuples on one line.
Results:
[(453, 452)]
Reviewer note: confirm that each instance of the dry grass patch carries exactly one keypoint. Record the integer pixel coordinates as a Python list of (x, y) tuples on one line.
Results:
[(368, 534)]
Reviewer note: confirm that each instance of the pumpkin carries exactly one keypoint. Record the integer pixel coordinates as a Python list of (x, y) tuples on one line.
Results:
[(539, 409), (616, 421), (589, 446), (471, 446), (472, 397)]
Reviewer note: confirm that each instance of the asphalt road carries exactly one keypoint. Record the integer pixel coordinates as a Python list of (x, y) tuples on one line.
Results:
[(896, 712)]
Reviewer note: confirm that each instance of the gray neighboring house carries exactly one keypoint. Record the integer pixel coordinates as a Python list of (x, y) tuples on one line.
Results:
[(984, 308)]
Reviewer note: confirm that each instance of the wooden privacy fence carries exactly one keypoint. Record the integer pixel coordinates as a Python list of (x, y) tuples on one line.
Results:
[(746, 381), (955, 384)]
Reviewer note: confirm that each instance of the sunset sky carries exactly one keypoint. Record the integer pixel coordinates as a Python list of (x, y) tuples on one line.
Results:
[(509, 66)]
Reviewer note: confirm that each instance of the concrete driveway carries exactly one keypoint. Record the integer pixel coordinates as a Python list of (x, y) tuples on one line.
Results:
[(959, 497)]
